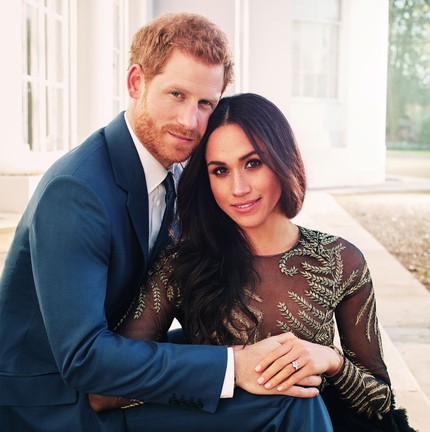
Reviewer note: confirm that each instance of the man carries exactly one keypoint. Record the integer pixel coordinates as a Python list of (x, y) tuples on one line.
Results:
[(84, 244)]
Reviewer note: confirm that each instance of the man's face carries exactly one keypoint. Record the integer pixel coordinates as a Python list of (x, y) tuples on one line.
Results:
[(173, 109)]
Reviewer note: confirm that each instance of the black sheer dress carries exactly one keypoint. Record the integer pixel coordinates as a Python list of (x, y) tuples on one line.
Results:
[(321, 280)]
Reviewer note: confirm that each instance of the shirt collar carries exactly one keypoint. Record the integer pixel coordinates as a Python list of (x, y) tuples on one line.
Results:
[(155, 172)]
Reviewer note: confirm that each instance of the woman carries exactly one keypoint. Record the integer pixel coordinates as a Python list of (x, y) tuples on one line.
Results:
[(242, 270)]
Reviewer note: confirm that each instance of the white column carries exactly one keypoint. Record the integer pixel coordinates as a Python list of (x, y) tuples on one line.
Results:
[(94, 66)]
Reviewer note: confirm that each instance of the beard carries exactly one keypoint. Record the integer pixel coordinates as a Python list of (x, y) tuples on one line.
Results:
[(156, 139)]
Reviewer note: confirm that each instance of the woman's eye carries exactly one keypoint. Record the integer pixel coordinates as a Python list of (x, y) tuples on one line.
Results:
[(219, 171), (253, 163)]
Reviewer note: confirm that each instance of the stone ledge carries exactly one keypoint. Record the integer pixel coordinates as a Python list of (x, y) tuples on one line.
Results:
[(407, 391), (15, 191), (8, 222)]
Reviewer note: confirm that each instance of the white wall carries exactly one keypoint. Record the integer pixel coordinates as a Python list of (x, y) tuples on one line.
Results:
[(357, 119), (343, 140)]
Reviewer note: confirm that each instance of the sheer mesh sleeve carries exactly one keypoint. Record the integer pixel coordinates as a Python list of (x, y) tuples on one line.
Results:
[(363, 380), (322, 278), (154, 308)]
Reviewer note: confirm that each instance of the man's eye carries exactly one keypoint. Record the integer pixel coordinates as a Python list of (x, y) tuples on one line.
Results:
[(207, 104)]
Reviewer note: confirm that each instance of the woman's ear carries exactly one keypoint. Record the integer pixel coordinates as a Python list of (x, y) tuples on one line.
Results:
[(135, 81)]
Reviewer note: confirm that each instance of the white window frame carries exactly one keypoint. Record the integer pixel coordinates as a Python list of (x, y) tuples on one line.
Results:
[(46, 117)]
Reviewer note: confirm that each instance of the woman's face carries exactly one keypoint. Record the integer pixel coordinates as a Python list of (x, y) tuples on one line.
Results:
[(246, 189)]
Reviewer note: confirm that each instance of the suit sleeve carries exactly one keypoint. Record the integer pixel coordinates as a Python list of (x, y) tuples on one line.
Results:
[(71, 248)]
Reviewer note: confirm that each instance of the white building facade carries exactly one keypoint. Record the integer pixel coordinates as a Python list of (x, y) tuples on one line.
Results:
[(323, 62)]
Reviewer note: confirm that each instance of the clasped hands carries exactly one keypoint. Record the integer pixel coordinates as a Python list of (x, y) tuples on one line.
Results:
[(284, 364)]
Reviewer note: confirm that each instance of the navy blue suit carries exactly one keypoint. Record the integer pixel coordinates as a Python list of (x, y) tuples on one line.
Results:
[(78, 255)]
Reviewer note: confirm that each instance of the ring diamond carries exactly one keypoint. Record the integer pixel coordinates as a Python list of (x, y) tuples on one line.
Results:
[(295, 364)]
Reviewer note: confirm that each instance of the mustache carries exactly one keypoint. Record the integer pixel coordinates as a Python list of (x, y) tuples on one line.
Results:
[(185, 133)]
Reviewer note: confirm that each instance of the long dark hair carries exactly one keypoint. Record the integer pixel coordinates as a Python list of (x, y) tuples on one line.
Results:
[(214, 264)]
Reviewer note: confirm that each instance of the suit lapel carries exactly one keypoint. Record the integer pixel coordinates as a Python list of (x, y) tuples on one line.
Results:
[(129, 175)]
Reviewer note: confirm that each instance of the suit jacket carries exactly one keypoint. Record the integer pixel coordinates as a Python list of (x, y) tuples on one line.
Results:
[(78, 255)]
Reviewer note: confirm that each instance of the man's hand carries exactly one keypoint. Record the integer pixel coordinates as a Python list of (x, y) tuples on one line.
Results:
[(246, 358)]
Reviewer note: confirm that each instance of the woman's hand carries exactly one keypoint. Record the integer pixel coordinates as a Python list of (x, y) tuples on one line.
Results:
[(296, 362), (246, 357)]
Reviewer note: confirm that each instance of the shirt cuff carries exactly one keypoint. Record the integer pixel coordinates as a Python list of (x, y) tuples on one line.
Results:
[(228, 386)]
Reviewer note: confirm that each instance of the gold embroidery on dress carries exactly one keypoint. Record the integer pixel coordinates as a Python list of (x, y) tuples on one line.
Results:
[(328, 285), (315, 265)]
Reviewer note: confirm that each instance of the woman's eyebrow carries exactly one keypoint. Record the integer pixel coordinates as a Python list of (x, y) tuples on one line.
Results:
[(246, 156), (215, 163), (251, 153)]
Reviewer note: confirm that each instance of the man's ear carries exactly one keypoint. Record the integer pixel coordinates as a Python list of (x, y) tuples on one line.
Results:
[(135, 81)]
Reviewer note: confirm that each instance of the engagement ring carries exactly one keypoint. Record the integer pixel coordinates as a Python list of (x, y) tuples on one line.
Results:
[(295, 364)]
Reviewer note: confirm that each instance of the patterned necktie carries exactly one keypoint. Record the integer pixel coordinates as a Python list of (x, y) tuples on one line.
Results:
[(166, 223), (169, 184)]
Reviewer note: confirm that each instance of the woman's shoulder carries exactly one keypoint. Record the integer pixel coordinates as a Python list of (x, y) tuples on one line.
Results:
[(321, 241), (165, 260)]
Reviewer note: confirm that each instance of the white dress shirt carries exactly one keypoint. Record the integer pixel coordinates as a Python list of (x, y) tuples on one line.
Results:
[(155, 173)]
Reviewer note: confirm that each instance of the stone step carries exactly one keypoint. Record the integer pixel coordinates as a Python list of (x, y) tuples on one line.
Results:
[(8, 222)]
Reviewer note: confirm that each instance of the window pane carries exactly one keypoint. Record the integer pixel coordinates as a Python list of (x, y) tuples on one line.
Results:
[(322, 86), (317, 9), (31, 103), (53, 48), (296, 85), (315, 48), (308, 85), (54, 52), (45, 86), (304, 9), (55, 119), (55, 5), (31, 38), (59, 141), (329, 9)]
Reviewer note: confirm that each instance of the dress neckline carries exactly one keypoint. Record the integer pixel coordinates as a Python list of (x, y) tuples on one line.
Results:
[(279, 254)]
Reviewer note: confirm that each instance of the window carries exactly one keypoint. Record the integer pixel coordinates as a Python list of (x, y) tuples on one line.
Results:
[(316, 48), (45, 75)]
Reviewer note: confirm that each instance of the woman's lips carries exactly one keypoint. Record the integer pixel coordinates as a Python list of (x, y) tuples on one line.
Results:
[(246, 206)]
